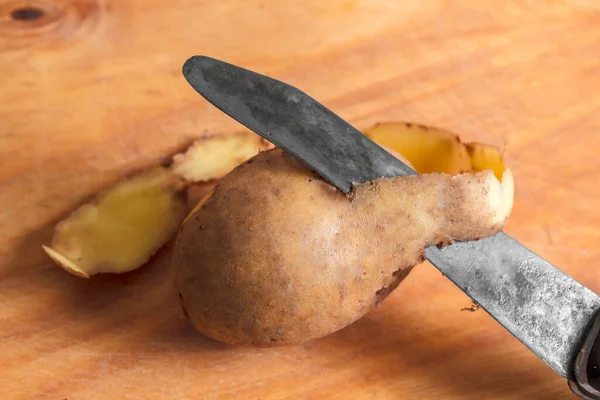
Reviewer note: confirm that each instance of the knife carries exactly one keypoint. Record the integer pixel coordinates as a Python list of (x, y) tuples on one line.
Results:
[(552, 314)]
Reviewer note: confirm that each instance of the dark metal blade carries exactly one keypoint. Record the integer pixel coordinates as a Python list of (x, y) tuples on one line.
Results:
[(544, 308), (290, 119)]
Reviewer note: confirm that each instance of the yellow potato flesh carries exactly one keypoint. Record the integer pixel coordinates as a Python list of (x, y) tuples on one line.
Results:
[(484, 156), (122, 228), (435, 150), (428, 150), (213, 157)]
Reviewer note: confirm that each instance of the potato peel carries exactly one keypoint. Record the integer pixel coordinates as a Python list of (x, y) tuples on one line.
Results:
[(213, 157), (485, 156), (122, 227), (428, 149), (91, 241), (431, 149), (65, 263)]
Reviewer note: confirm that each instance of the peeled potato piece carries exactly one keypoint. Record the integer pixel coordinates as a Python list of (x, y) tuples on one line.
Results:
[(123, 227)]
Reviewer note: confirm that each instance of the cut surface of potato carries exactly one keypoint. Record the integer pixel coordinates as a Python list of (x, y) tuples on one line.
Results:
[(123, 227), (214, 156)]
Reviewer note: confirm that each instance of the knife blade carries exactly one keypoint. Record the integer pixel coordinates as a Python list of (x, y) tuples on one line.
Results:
[(231, 87), (544, 308)]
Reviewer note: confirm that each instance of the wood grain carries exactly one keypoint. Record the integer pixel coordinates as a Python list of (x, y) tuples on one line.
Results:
[(92, 91)]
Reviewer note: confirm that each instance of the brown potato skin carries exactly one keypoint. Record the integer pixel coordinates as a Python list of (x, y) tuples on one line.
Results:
[(278, 256)]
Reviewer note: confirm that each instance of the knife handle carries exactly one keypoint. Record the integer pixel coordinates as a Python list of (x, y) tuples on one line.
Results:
[(586, 380)]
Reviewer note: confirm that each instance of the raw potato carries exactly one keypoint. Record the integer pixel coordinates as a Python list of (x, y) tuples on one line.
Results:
[(123, 227), (213, 157), (278, 256)]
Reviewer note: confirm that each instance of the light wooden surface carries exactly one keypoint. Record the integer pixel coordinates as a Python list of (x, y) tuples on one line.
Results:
[(93, 90)]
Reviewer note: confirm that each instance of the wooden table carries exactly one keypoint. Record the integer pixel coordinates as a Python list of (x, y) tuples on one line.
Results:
[(92, 90)]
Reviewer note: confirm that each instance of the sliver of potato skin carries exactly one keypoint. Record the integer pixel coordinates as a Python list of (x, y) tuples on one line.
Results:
[(126, 224), (278, 256), (122, 227), (430, 149)]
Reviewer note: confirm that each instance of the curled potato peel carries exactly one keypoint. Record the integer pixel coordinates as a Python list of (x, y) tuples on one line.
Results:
[(125, 225)]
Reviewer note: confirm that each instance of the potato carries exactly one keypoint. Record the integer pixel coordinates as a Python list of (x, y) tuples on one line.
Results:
[(277, 256)]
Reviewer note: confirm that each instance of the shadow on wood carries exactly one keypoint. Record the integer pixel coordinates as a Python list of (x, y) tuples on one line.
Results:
[(453, 364)]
